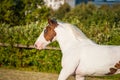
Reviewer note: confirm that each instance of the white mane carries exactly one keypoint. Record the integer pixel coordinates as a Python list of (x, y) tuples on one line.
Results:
[(78, 34)]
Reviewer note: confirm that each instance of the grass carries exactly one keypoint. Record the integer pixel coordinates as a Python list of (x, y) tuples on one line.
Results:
[(11, 74)]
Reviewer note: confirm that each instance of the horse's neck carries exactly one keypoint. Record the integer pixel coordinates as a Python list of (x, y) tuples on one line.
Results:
[(66, 39)]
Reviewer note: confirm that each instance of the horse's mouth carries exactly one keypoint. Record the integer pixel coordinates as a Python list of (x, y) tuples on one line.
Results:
[(40, 47)]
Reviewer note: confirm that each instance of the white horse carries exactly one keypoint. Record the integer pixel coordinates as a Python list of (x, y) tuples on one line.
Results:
[(80, 56)]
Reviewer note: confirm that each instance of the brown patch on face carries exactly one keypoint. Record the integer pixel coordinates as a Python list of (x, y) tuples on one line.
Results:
[(112, 71), (49, 32), (117, 65)]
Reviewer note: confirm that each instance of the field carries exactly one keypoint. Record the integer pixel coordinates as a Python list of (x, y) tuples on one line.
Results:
[(10, 74)]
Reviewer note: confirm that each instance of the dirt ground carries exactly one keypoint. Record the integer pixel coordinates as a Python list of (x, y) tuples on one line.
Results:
[(9, 74)]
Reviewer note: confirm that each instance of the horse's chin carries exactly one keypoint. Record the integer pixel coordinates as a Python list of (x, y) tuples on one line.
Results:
[(40, 45), (40, 48)]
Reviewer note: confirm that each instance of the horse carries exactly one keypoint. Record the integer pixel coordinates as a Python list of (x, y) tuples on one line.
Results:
[(80, 56)]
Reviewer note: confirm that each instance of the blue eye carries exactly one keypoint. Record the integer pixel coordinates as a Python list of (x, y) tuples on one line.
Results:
[(45, 31)]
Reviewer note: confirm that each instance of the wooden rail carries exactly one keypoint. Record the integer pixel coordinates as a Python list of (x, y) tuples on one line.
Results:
[(26, 46)]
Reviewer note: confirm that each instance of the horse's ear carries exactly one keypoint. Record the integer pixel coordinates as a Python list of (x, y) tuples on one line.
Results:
[(49, 21), (52, 21)]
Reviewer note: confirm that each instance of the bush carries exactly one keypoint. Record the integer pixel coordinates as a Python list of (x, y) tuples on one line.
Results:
[(61, 12), (98, 23), (45, 60), (20, 12)]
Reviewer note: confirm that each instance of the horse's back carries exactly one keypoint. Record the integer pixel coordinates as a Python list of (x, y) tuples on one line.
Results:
[(98, 59), (116, 49)]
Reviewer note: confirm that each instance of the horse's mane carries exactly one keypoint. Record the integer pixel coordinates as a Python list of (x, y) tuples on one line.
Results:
[(78, 34)]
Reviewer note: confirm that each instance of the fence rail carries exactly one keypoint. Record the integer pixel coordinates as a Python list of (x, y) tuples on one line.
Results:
[(26, 46)]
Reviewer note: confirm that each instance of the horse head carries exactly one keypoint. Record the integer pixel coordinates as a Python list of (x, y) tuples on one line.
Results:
[(47, 36)]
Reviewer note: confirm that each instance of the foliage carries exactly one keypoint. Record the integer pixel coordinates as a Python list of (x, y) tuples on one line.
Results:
[(21, 58), (104, 21), (37, 15), (19, 12), (61, 12), (10, 11)]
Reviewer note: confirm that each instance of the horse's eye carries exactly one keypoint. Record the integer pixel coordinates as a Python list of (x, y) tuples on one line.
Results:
[(45, 31)]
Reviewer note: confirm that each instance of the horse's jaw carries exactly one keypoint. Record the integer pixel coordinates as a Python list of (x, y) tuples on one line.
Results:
[(41, 43)]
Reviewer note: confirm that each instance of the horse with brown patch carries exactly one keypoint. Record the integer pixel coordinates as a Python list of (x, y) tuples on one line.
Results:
[(80, 55)]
